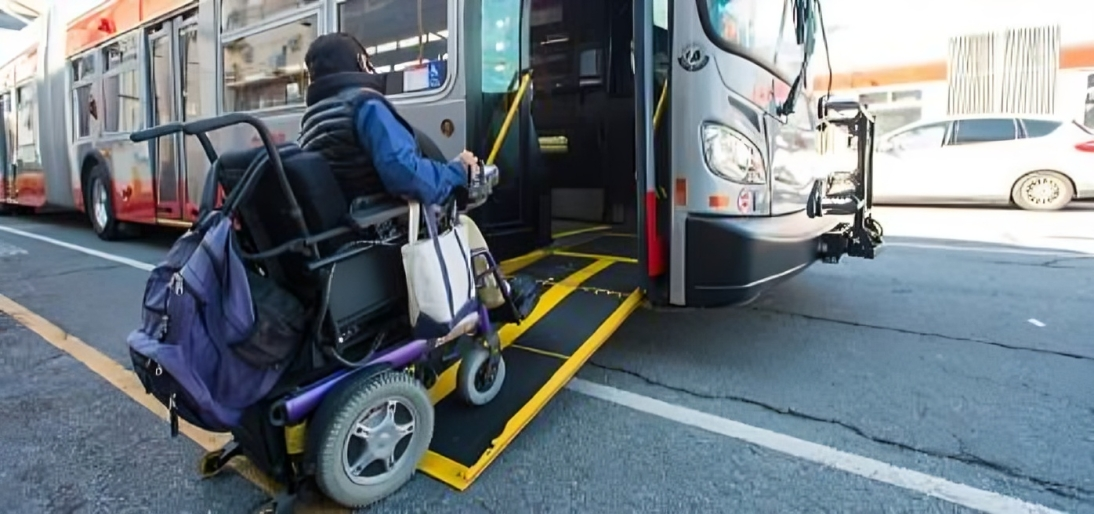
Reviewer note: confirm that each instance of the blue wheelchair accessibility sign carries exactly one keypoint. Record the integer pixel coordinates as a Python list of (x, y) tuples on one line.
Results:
[(436, 75)]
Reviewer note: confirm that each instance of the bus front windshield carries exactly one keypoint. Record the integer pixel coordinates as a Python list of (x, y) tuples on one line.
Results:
[(760, 30)]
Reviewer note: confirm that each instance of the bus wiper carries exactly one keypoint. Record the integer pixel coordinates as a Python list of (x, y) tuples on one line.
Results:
[(787, 107), (805, 35)]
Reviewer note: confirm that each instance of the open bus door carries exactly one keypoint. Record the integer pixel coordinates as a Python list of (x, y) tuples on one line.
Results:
[(650, 159), (586, 294), (517, 218)]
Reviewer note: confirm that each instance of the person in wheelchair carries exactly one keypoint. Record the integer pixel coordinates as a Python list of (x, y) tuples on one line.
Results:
[(372, 150)]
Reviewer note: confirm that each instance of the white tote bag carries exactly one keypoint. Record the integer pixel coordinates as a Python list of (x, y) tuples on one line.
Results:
[(440, 281)]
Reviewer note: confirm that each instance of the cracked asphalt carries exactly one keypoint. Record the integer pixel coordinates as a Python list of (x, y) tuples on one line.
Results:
[(925, 359)]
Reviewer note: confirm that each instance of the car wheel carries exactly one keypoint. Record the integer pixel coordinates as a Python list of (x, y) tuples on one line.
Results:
[(1042, 191)]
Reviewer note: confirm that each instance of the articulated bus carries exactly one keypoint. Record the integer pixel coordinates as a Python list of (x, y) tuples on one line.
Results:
[(686, 125)]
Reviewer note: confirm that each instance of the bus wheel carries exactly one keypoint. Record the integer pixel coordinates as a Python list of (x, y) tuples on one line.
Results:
[(100, 205)]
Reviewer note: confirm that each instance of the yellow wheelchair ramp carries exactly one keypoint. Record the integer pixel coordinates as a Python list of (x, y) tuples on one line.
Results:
[(585, 298)]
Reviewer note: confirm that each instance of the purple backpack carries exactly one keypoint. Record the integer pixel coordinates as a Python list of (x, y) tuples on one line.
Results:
[(214, 337)]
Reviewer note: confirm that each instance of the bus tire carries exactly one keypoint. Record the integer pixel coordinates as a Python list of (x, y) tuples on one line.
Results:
[(99, 204)]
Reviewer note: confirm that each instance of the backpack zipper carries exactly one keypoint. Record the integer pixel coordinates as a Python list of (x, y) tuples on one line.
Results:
[(174, 285)]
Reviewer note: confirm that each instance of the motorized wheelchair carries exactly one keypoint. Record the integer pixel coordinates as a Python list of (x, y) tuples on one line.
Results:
[(352, 413)]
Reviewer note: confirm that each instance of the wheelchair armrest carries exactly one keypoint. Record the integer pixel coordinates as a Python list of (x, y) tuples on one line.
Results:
[(368, 212)]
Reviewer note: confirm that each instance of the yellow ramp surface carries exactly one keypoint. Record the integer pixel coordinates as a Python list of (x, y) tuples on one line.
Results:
[(585, 298)]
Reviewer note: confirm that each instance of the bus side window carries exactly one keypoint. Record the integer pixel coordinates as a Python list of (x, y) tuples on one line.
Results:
[(399, 36), (500, 45), (662, 62), (235, 14), (266, 70), (121, 106), (27, 147), (84, 109)]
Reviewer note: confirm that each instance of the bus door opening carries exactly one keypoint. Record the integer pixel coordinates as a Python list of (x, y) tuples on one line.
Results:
[(584, 110), (173, 58), (570, 199)]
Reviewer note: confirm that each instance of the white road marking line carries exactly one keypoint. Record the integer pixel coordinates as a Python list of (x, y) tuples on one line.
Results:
[(960, 494), (89, 251), (1036, 322), (937, 487), (984, 249)]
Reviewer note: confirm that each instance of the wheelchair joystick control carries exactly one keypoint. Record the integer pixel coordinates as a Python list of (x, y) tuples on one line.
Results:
[(480, 185)]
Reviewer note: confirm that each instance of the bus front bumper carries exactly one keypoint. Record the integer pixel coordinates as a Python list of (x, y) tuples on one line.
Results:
[(733, 260)]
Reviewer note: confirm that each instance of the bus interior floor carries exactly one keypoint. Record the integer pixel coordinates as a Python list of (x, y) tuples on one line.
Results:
[(577, 245)]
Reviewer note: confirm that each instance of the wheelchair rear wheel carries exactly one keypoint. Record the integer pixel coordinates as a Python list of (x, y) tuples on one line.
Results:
[(481, 373), (368, 436)]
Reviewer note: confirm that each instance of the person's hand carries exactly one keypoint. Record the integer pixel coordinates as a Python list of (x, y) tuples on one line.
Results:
[(470, 162), (468, 159)]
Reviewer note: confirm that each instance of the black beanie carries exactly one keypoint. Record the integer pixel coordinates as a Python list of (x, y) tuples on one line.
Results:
[(334, 53)]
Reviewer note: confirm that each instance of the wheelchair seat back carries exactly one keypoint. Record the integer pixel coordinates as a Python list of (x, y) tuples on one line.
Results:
[(363, 286)]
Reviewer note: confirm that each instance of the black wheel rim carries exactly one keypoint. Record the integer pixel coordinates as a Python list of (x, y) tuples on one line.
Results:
[(484, 377)]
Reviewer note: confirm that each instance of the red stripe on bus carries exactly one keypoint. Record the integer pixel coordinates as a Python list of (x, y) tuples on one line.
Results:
[(655, 247)]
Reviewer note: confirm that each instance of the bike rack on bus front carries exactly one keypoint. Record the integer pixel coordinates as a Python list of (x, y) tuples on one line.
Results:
[(863, 236)]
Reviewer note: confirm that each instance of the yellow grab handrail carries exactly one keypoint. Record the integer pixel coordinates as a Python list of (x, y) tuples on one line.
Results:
[(658, 113), (524, 81), (660, 105)]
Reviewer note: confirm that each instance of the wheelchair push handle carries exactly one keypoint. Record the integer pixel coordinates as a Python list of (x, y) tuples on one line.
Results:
[(158, 131), (199, 127), (172, 128), (225, 120)]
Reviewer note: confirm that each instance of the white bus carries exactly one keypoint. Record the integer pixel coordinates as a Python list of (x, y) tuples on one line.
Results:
[(694, 135)]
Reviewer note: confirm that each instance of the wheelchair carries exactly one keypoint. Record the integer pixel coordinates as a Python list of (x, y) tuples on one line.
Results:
[(352, 413)]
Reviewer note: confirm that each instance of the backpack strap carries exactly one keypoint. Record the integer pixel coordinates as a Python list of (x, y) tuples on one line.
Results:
[(173, 412)]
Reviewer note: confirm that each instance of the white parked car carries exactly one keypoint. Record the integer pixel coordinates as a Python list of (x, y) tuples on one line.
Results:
[(1035, 162)]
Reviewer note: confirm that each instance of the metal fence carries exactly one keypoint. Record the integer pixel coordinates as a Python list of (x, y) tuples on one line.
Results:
[(1010, 71)]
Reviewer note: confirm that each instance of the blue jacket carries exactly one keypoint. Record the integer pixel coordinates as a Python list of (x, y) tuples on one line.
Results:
[(395, 155)]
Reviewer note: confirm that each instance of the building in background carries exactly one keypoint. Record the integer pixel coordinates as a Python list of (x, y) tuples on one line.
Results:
[(911, 59), (16, 14)]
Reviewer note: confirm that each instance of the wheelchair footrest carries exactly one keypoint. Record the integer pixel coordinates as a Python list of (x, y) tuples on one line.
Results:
[(522, 298)]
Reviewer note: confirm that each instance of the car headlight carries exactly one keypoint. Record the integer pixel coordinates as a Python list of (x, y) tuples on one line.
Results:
[(732, 157)]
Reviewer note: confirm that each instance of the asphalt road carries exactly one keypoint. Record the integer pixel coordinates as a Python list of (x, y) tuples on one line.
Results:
[(962, 353)]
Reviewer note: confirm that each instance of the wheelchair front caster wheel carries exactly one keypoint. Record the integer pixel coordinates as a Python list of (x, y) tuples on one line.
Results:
[(480, 377)]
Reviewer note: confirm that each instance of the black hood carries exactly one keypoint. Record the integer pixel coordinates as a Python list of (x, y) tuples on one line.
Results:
[(333, 84)]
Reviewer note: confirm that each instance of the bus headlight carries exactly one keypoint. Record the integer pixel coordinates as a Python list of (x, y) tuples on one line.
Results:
[(732, 157)]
